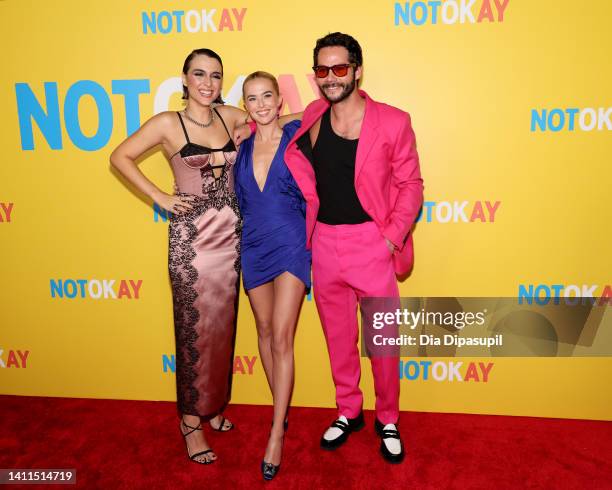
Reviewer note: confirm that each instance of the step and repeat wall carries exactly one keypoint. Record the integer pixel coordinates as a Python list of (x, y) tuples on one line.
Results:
[(510, 102)]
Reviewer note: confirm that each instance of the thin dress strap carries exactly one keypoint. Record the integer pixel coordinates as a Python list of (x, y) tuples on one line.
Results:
[(184, 128), (223, 122)]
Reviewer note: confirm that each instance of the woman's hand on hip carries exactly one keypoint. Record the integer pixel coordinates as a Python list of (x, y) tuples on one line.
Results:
[(174, 204)]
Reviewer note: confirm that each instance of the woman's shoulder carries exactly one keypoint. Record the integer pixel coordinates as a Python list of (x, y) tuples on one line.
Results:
[(230, 113), (163, 119), (165, 125), (166, 116)]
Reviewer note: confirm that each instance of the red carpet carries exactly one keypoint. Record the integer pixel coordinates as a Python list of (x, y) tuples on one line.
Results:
[(125, 444)]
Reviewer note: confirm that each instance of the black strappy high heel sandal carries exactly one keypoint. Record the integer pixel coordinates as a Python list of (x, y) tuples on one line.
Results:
[(221, 424), (193, 457)]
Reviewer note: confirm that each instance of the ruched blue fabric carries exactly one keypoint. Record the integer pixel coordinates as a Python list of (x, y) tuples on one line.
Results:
[(274, 219)]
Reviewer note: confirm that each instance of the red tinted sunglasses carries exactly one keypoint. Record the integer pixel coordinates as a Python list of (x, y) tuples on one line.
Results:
[(321, 71)]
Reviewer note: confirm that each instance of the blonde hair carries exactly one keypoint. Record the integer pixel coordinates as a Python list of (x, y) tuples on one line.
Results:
[(261, 74)]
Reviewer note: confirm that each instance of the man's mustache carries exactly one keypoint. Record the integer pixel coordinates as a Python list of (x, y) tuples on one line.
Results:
[(330, 85)]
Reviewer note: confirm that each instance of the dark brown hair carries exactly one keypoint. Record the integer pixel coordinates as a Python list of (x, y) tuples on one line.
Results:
[(206, 52), (340, 39)]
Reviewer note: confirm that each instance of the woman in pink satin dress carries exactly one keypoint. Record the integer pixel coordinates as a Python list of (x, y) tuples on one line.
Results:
[(204, 244)]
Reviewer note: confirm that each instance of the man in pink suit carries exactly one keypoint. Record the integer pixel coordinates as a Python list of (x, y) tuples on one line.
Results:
[(356, 163)]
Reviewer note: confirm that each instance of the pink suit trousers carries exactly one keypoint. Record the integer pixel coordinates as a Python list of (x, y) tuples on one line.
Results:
[(350, 262)]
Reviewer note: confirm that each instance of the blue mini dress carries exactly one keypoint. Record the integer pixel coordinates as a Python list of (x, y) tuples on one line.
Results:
[(274, 219)]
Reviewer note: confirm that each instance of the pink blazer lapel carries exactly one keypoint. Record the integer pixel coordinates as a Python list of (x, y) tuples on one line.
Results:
[(368, 135), (298, 164), (313, 112), (302, 171)]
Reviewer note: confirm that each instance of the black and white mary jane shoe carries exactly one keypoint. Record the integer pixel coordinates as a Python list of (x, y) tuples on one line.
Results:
[(391, 446), (339, 431)]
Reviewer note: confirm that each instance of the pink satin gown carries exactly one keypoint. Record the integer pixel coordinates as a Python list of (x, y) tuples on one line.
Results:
[(204, 264)]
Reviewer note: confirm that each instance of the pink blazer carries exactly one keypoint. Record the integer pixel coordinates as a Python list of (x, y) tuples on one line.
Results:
[(387, 175)]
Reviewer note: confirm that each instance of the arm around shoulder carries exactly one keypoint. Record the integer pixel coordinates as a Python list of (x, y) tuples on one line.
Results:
[(288, 118)]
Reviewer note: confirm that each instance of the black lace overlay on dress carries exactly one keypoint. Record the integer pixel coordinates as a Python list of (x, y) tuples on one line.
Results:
[(182, 233), (183, 276)]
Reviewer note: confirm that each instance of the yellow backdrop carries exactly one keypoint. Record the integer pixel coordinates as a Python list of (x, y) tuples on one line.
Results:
[(510, 104)]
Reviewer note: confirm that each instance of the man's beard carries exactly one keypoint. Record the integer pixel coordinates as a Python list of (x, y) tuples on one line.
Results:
[(347, 89)]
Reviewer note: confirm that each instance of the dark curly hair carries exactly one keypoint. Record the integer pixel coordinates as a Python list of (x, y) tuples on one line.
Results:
[(340, 39), (206, 52)]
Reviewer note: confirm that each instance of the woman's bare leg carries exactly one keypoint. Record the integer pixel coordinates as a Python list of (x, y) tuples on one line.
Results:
[(262, 304), (288, 296)]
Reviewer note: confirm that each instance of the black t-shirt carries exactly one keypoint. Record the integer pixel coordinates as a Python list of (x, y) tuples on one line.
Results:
[(333, 160)]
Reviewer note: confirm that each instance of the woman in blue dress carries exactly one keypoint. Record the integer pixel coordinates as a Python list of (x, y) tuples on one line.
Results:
[(275, 261)]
